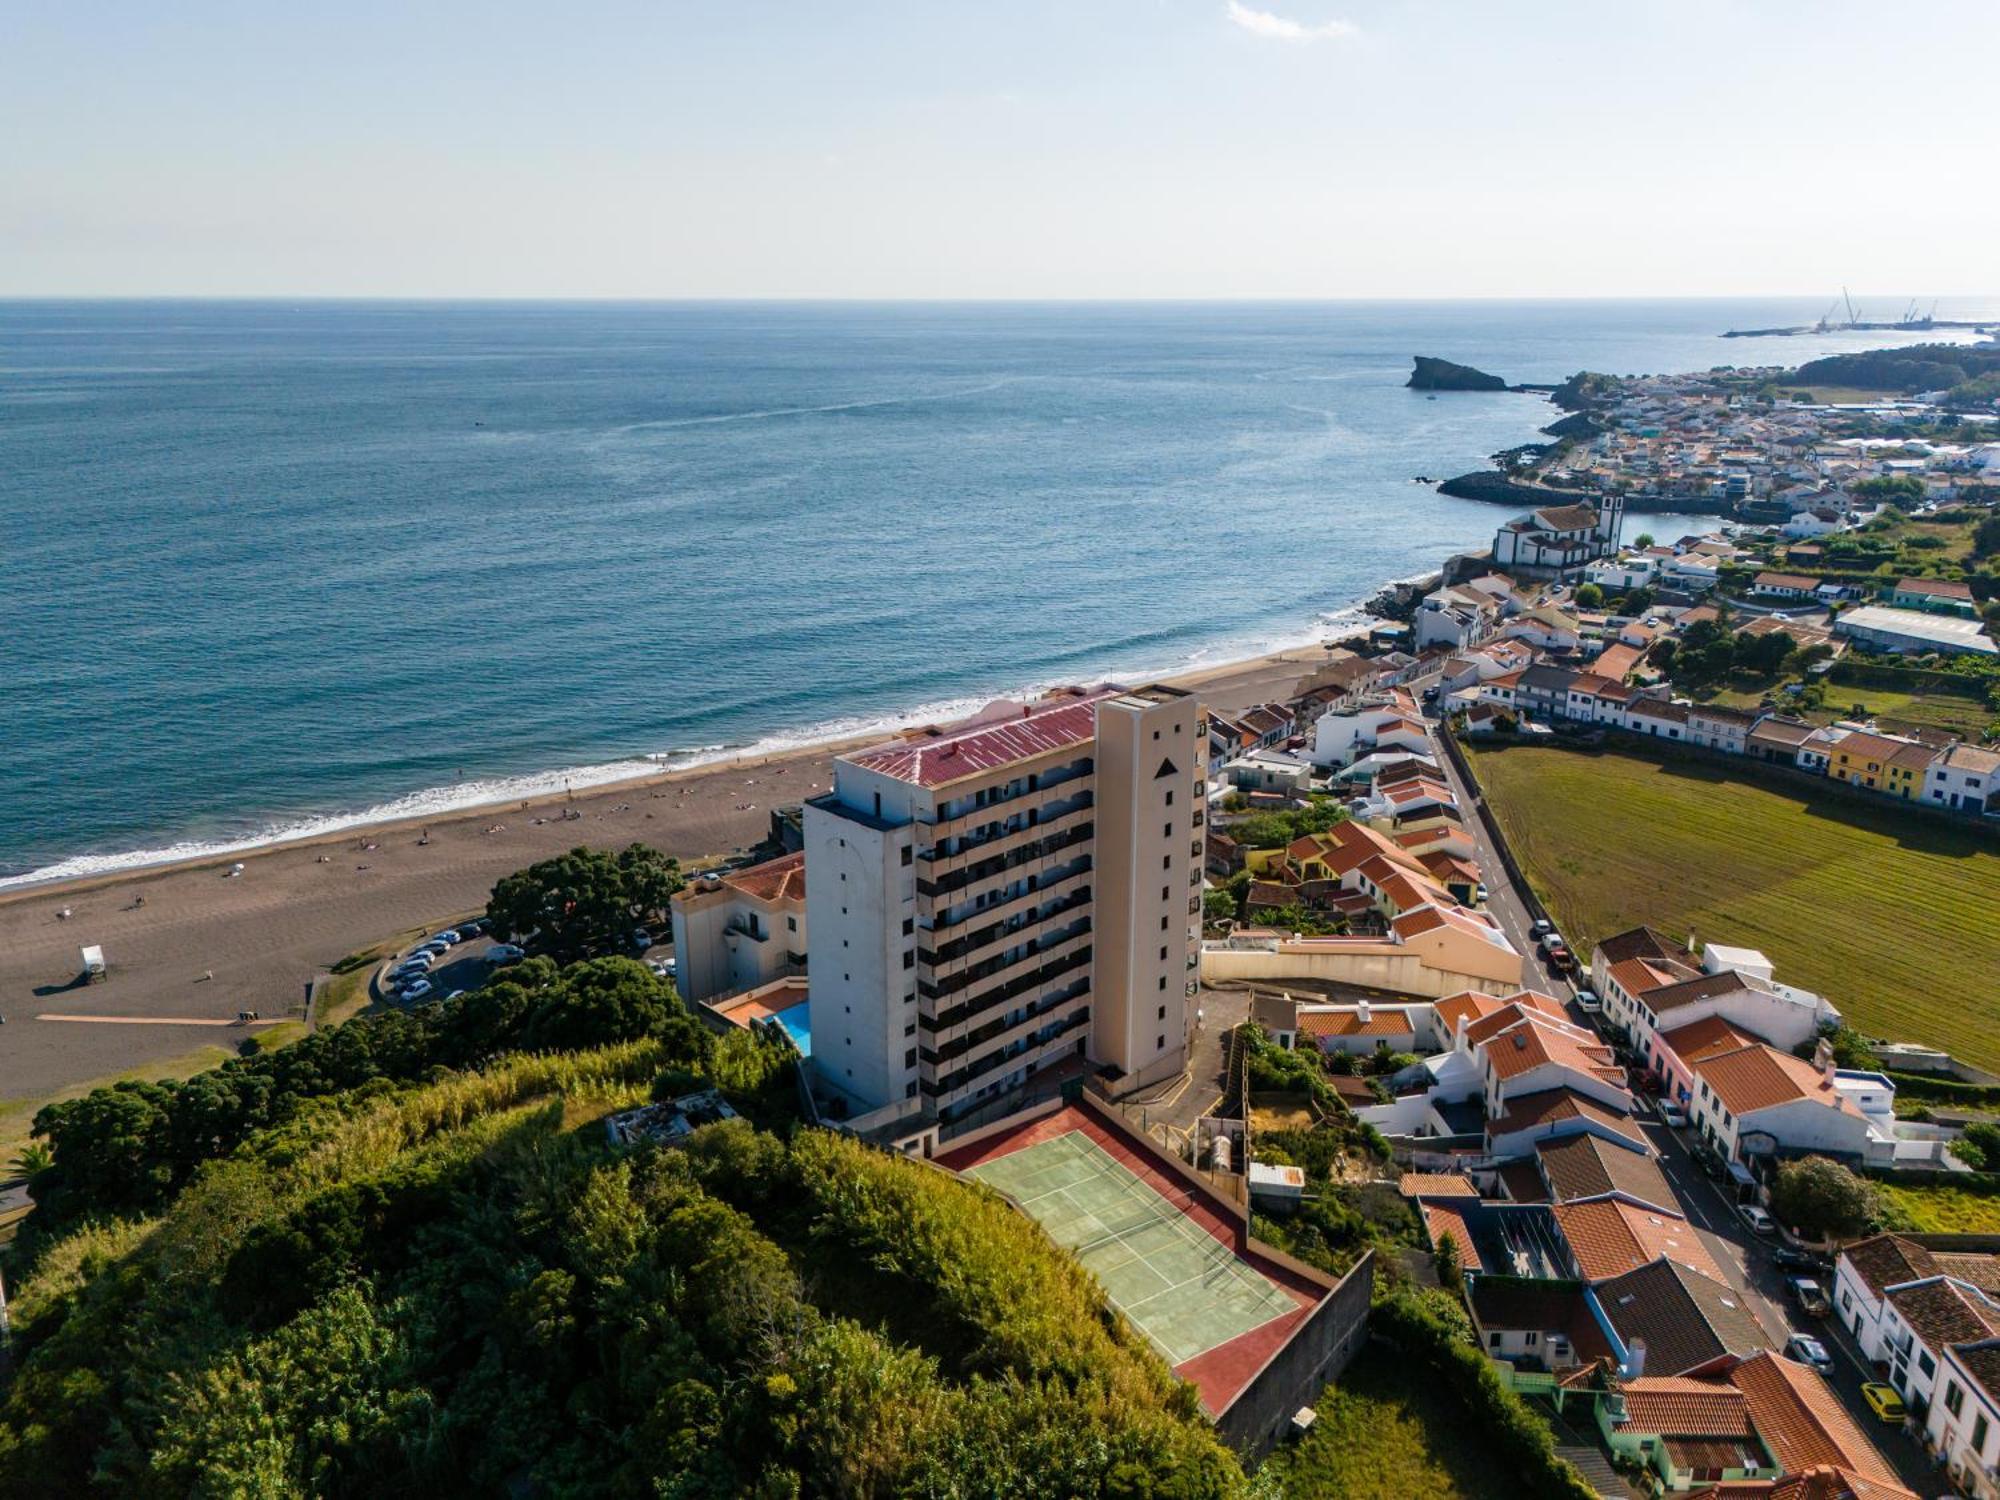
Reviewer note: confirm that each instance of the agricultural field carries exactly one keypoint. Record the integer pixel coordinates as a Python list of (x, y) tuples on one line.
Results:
[(1938, 1210), (1381, 1436), (1893, 917)]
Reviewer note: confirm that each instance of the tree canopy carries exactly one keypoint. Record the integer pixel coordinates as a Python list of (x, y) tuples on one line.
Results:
[(1821, 1199), (586, 901)]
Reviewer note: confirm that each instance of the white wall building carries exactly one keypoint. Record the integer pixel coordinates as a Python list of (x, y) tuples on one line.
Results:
[(993, 899), (740, 929)]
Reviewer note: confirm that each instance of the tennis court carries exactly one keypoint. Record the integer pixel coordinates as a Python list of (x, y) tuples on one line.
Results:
[(1181, 1287)]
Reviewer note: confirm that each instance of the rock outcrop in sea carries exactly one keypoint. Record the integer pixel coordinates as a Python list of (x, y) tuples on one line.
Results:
[(1442, 375)]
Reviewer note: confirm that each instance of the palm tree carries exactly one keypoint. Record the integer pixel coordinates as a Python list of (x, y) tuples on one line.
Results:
[(33, 1158)]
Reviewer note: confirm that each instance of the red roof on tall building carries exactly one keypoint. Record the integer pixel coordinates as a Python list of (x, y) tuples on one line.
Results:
[(955, 754)]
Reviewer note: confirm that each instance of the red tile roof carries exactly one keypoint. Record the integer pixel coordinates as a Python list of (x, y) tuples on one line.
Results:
[(1609, 1237), (1758, 1077), (955, 754), (1801, 1420), (780, 879), (1685, 1406)]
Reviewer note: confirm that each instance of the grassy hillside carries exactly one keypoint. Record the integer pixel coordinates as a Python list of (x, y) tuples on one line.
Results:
[(1894, 918), (1385, 1433), (402, 1259)]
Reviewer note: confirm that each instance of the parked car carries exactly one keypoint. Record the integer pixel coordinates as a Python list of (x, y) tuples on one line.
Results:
[(1809, 1296), (1800, 1262), (435, 950), (1675, 1117), (1588, 1001), (641, 940), (1808, 1350), (417, 960), (1710, 1163), (505, 953), (449, 937), (1543, 926), (478, 927), (416, 989), (1759, 1221), (1884, 1401), (666, 968), (1479, 896)]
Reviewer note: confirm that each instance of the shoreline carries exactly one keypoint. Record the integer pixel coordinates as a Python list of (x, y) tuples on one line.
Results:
[(749, 759), (527, 792), (203, 945)]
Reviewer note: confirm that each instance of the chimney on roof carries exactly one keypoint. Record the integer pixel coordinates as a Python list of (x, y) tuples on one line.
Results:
[(1635, 1364), (1520, 1042), (1365, 1012)]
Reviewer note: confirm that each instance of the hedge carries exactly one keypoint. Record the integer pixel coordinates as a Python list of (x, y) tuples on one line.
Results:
[(1934, 1090), (1909, 679), (1519, 1441)]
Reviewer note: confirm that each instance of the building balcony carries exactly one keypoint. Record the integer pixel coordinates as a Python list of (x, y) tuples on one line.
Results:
[(1027, 1051), (1010, 985), (1047, 886), (1027, 923), (1011, 833), (1027, 950), (960, 814), (957, 877), (999, 1031)]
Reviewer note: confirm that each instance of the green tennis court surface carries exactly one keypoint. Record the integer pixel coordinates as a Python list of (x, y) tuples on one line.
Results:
[(1178, 1285)]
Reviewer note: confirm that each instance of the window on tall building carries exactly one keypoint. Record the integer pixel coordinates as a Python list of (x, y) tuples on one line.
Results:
[(906, 857)]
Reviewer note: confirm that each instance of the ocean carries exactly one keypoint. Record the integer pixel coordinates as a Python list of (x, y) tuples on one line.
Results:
[(268, 568)]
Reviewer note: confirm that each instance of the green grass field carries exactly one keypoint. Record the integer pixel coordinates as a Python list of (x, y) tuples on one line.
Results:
[(1893, 917), (1938, 1210), (1380, 1436)]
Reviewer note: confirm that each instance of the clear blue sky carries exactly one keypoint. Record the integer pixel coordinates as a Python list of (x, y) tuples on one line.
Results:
[(999, 148)]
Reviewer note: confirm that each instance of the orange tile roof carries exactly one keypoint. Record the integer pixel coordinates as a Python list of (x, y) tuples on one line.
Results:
[(1709, 1037), (1437, 1185), (1440, 1219), (1609, 1237), (1537, 1040), (973, 749), (1381, 1021), (1758, 1077), (780, 879), (1615, 662), (1685, 1406), (1635, 976), (1801, 1420), (1548, 1107)]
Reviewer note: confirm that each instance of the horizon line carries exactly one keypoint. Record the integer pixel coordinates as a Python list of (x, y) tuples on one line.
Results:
[(939, 301)]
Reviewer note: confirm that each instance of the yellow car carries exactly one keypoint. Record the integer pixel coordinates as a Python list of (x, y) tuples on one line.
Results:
[(1884, 1401)]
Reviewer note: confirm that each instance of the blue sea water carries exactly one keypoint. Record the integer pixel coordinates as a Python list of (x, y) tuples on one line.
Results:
[(265, 567)]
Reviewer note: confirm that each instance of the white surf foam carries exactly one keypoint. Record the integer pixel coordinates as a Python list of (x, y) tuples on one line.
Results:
[(460, 796)]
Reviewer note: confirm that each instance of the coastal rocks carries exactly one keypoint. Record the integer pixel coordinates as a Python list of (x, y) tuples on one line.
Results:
[(1493, 486), (1442, 375), (1581, 424), (1585, 390), (1399, 600)]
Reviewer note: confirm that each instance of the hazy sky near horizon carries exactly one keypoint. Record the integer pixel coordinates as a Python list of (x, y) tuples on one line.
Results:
[(1038, 148)]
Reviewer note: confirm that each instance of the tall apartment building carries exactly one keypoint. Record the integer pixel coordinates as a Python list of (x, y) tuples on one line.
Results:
[(991, 899)]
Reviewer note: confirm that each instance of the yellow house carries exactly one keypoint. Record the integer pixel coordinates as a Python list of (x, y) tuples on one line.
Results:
[(1863, 760), (1908, 769)]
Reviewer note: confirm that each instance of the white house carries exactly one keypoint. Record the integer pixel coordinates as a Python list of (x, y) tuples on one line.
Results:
[(1340, 739), (1558, 539), (1963, 1424), (1454, 617), (741, 928), (1965, 777)]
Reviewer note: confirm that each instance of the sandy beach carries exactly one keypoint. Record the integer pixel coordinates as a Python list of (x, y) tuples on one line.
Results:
[(299, 908)]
